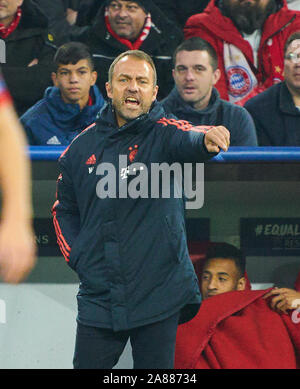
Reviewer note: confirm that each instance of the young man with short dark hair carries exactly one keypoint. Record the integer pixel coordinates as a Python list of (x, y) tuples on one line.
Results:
[(235, 327), (195, 98), (71, 104)]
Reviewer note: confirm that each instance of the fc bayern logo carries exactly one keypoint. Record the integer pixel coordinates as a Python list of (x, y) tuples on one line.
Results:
[(239, 81)]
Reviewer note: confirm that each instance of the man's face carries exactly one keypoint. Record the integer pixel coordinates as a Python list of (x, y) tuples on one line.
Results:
[(74, 81), (8, 9), (291, 70), (132, 89), (249, 15), (194, 77), (220, 275), (126, 18)]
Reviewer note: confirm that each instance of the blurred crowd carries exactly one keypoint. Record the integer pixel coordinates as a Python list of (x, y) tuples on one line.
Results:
[(230, 62)]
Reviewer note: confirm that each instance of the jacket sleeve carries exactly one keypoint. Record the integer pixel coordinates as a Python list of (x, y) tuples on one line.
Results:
[(245, 133), (65, 211), (262, 135), (184, 142)]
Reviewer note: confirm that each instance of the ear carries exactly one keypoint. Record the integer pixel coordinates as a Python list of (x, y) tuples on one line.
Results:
[(241, 284), (94, 77), (108, 90), (155, 93), (173, 73), (216, 77), (54, 79)]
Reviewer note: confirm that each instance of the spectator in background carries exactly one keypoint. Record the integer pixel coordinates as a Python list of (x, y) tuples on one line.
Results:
[(29, 52), (194, 97), (276, 111), (121, 25), (248, 37), (235, 328), (71, 105)]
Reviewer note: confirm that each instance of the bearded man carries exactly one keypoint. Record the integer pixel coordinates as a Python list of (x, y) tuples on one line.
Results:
[(249, 37)]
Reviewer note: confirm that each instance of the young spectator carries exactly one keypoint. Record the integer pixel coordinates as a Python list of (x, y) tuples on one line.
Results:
[(249, 37), (276, 111), (29, 52), (121, 25), (195, 99), (71, 105), (235, 328)]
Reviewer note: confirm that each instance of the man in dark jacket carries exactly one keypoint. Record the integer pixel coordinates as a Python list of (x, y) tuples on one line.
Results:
[(71, 105), (276, 112), (122, 25), (248, 37), (129, 251), (195, 99), (29, 52)]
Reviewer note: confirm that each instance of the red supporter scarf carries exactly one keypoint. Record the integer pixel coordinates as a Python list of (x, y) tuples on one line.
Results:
[(5, 31), (135, 45)]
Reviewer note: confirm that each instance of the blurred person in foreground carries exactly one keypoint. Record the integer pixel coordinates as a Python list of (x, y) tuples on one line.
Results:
[(17, 244)]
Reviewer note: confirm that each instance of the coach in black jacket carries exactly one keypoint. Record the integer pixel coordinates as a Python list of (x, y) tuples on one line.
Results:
[(130, 253), (160, 43)]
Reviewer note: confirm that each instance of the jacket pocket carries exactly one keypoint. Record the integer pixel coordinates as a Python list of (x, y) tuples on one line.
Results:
[(73, 258), (176, 236)]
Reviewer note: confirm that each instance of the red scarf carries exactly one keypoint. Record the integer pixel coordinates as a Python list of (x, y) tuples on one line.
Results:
[(135, 45), (5, 31)]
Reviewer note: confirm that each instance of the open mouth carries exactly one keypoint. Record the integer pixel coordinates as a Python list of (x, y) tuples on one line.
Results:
[(132, 101)]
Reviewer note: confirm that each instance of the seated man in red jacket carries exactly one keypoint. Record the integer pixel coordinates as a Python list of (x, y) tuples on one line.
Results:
[(249, 37), (235, 328)]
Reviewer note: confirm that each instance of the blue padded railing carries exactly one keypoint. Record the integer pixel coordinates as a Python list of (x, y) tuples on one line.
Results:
[(233, 155)]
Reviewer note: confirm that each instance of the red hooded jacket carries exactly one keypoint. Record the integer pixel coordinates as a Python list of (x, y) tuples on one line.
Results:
[(216, 28), (238, 330)]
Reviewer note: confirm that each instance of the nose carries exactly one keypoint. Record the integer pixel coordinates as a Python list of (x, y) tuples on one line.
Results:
[(189, 75), (123, 12), (212, 284), (133, 86), (73, 77)]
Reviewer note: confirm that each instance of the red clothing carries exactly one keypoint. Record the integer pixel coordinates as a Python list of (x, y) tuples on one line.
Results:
[(238, 330), (4, 94), (212, 26)]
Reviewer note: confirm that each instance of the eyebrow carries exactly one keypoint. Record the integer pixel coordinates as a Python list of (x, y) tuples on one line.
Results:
[(68, 70), (219, 273), (128, 76)]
